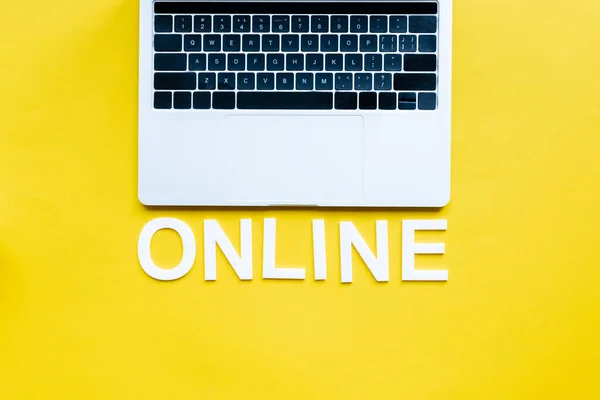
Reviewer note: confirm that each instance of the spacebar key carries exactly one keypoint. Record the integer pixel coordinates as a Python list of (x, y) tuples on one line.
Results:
[(285, 101)]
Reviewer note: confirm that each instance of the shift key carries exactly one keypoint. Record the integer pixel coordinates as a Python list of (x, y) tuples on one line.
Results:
[(175, 81), (415, 81)]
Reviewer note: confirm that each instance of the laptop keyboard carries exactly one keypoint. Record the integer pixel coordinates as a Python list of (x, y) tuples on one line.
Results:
[(295, 56)]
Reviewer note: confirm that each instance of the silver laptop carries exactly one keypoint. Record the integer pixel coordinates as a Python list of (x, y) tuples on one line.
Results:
[(303, 103)]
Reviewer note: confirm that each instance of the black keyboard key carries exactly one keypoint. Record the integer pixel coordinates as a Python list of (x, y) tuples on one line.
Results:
[(334, 62), (300, 23), (348, 43), (420, 62), (422, 24), (359, 24), (207, 81), (354, 62), (212, 42), (388, 43), (363, 81), (294, 62), (324, 81), (368, 43), (285, 100), (182, 100), (192, 43), (310, 43), (216, 62), (168, 42), (183, 23), (427, 101), (226, 81), (251, 43), (261, 23), (407, 43), (163, 23), (345, 101), (224, 100), (407, 101), (387, 101), (275, 62), (285, 81), (304, 81), (241, 23), (378, 24), (372, 62), (232, 42), (281, 24), (343, 81), (392, 62), (329, 43), (314, 62), (170, 62), (202, 23), (398, 24), (222, 23), (367, 101), (415, 81), (413, 7), (163, 100), (265, 81), (175, 81), (319, 24), (236, 62), (382, 82), (339, 23), (427, 43), (270, 43), (290, 43), (245, 81), (256, 62), (201, 100)]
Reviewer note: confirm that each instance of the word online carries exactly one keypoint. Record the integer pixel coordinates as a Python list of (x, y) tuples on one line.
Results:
[(241, 262)]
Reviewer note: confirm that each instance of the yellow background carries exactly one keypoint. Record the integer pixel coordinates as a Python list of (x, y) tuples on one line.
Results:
[(518, 319)]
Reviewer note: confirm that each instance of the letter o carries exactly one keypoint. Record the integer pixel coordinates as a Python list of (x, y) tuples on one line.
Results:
[(189, 249)]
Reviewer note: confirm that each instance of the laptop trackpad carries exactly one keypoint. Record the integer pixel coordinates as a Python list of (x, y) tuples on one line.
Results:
[(308, 160)]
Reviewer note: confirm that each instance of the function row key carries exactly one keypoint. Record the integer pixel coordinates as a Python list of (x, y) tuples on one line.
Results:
[(296, 23), (294, 101)]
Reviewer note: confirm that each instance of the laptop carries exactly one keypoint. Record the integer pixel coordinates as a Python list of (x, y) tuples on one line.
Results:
[(295, 103)]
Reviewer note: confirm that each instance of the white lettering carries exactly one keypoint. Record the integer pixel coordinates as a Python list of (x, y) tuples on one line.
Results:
[(378, 265), (270, 270), (242, 262), (410, 248), (215, 236), (187, 240), (319, 250)]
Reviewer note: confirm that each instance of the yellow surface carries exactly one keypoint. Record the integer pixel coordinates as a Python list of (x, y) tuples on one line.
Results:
[(518, 319)]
